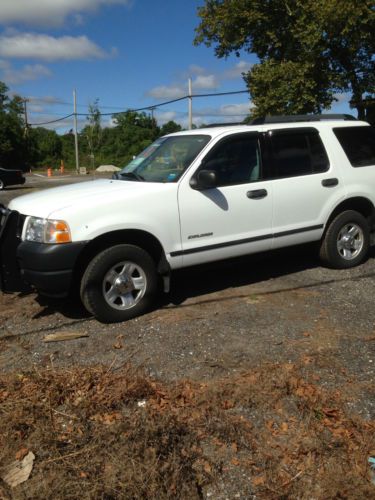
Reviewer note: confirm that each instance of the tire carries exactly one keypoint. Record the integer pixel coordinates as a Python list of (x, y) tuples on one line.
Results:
[(2, 185), (346, 241), (120, 283)]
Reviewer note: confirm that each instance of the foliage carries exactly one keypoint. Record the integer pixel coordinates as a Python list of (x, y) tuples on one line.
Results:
[(308, 48), (13, 141), (93, 131), (46, 147)]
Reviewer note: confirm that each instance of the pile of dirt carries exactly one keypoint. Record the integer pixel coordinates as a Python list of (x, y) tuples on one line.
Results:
[(273, 432)]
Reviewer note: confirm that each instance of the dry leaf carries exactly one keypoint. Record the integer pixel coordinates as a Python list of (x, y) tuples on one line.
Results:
[(21, 454), (19, 471), (259, 480), (59, 336), (284, 427), (207, 468), (118, 345)]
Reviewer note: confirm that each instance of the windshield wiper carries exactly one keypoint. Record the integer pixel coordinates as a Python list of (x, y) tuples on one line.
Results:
[(128, 175)]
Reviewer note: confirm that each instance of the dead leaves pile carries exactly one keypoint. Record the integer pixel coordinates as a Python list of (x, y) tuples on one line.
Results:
[(273, 430)]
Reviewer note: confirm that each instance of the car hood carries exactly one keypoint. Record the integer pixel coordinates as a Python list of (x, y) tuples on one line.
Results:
[(49, 202)]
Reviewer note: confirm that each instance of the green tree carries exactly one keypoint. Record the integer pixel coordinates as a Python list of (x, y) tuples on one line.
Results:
[(170, 127), (13, 143), (308, 49), (46, 147), (133, 133), (93, 131)]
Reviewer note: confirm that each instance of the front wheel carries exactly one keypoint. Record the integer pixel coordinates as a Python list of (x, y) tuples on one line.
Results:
[(120, 283), (346, 241)]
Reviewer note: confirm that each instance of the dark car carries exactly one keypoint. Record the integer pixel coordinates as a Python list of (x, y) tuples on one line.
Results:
[(10, 177)]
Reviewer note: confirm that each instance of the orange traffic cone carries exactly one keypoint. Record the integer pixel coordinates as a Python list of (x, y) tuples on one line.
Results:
[(49, 172), (62, 167)]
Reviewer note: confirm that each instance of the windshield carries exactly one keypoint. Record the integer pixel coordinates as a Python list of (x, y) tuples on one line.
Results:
[(166, 159)]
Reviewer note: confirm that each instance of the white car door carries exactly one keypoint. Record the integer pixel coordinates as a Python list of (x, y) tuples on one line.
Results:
[(225, 206), (305, 187)]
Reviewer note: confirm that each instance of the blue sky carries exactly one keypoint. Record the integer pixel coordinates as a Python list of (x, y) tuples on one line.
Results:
[(126, 53)]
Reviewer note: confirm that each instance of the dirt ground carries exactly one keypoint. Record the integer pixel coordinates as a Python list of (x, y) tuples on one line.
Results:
[(221, 321)]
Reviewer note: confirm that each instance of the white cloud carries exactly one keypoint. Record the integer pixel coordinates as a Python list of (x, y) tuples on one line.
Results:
[(194, 69), (45, 100), (176, 91), (226, 112), (49, 48), (168, 92), (236, 110), (205, 82), (48, 12), (13, 76), (165, 117), (237, 70)]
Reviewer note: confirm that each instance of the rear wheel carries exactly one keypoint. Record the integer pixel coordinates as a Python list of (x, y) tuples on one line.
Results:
[(346, 241), (119, 283)]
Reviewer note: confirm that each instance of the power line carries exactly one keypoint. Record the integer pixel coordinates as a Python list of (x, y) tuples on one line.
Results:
[(52, 121), (145, 108)]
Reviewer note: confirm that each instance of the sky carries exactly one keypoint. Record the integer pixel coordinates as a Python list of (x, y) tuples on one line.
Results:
[(128, 54)]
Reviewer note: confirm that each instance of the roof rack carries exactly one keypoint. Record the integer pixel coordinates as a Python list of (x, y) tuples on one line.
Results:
[(228, 124), (300, 118)]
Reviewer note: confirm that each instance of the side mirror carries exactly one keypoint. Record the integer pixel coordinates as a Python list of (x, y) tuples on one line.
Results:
[(205, 179)]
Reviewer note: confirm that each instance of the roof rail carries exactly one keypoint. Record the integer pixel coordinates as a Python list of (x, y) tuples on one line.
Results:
[(228, 124), (300, 118)]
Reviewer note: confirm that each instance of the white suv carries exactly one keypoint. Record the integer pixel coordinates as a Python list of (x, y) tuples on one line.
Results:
[(193, 197)]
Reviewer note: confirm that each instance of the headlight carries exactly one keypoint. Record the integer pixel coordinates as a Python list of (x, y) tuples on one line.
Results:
[(47, 231)]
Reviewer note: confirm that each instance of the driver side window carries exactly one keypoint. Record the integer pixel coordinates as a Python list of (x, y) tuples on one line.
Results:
[(235, 160)]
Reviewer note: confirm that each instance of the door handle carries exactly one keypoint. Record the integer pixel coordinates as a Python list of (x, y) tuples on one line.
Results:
[(257, 194), (330, 182)]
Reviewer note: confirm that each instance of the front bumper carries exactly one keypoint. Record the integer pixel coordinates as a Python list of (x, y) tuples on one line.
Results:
[(26, 264)]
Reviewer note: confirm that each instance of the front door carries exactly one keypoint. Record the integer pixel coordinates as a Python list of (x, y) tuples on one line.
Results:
[(233, 218)]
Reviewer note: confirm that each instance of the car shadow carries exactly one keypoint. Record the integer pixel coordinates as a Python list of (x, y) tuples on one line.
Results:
[(241, 271), (214, 277), (234, 273)]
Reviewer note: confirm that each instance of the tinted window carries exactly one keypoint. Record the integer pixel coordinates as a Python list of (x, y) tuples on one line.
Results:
[(235, 160), (358, 144), (297, 152)]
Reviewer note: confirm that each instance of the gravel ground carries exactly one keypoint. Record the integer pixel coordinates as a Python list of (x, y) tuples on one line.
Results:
[(218, 320)]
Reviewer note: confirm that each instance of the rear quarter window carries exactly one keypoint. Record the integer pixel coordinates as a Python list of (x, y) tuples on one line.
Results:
[(358, 144)]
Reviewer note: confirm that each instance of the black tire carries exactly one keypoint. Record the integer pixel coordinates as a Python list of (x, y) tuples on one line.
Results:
[(2, 185), (346, 241), (120, 283)]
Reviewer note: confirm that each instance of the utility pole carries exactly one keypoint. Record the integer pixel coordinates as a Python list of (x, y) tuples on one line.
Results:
[(190, 105), (25, 101), (75, 129)]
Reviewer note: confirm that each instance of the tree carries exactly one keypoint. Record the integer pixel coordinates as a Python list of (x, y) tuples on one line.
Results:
[(46, 147), (308, 49), (170, 127), (13, 143), (133, 133), (93, 131)]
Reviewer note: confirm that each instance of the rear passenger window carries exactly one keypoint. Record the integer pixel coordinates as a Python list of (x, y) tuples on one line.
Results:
[(297, 152), (358, 144)]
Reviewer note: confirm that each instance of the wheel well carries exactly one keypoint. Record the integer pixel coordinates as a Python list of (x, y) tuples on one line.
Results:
[(138, 238), (361, 205)]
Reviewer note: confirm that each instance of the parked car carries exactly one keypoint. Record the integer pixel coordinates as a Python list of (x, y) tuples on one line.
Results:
[(10, 177), (193, 197)]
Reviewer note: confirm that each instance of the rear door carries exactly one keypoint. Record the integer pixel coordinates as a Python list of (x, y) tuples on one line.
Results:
[(305, 184)]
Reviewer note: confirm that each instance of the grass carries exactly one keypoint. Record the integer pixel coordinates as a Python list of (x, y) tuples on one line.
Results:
[(273, 432)]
